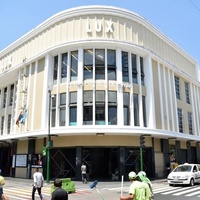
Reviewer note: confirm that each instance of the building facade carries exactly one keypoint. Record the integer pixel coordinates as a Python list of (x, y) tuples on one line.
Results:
[(91, 81)]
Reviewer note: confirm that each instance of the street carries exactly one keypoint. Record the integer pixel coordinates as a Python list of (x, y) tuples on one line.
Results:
[(20, 189)]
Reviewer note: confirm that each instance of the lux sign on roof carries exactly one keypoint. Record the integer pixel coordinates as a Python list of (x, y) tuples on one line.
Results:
[(97, 25)]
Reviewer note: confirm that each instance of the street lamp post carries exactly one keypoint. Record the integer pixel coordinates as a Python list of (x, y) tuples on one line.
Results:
[(49, 139)]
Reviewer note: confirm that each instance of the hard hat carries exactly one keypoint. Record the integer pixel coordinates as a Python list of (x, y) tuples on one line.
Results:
[(142, 173), (132, 175)]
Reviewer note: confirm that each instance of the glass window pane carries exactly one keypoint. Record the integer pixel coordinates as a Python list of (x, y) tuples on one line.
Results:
[(73, 116), (63, 99), (74, 65), (62, 116), (100, 96), (88, 57), (73, 97), (100, 113), (112, 96), (88, 115), (88, 96), (111, 56), (53, 118), (112, 115), (126, 98), (100, 73), (126, 116), (144, 111), (134, 68), (100, 57), (88, 64), (54, 101), (112, 73), (125, 76), (55, 72), (64, 67), (136, 110)]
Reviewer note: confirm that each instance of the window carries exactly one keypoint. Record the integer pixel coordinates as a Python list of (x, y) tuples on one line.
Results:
[(4, 98), (11, 94), (64, 67), (142, 70), (73, 109), (88, 64), (190, 123), (134, 68), (2, 124), (126, 100), (88, 107), (111, 64), (180, 120), (100, 64), (125, 77), (62, 109), (187, 94), (74, 65), (100, 108), (9, 124), (112, 108), (136, 110), (177, 87), (144, 111), (53, 111), (55, 70)]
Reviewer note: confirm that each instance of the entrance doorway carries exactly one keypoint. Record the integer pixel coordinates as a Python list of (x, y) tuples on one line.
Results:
[(101, 163), (132, 161)]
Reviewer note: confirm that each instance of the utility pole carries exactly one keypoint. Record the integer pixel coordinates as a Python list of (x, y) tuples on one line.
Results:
[(49, 143), (142, 142)]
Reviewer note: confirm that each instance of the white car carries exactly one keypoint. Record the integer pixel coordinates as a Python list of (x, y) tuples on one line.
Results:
[(187, 174)]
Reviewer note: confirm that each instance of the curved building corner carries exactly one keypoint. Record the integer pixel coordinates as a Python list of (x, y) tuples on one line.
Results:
[(89, 83)]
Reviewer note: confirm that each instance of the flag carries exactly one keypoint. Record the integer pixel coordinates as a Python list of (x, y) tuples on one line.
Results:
[(19, 118), (24, 117)]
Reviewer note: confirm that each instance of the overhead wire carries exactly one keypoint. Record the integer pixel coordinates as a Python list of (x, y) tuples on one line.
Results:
[(194, 5)]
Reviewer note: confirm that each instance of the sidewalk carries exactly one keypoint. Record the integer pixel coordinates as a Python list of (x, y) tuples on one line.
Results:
[(78, 184)]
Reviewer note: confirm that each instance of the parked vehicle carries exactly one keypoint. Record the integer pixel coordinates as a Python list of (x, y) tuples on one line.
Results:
[(187, 174)]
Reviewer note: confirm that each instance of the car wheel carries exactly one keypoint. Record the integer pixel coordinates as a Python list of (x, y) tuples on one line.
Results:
[(192, 182)]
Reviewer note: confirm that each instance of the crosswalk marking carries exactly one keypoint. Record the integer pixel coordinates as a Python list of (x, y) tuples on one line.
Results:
[(172, 190), (186, 191), (192, 194), (164, 189)]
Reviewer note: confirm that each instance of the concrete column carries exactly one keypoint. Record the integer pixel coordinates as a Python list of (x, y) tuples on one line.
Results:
[(122, 162), (78, 163)]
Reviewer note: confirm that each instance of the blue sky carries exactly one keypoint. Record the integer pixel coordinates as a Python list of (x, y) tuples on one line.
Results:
[(177, 19)]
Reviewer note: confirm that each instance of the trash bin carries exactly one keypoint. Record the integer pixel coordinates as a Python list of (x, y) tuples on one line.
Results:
[(67, 185)]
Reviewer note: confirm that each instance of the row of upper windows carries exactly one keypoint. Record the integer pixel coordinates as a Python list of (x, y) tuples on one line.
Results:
[(180, 121), (95, 113), (98, 63), (178, 90), (7, 92)]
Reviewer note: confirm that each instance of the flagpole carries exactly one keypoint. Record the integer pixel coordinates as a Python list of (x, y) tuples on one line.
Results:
[(49, 139)]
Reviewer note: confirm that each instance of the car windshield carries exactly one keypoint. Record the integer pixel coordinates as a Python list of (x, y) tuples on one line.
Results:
[(183, 168)]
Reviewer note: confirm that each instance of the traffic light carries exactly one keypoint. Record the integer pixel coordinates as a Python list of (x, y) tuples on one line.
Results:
[(142, 141)]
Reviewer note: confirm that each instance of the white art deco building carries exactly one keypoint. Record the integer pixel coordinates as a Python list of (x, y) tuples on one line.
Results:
[(95, 79)]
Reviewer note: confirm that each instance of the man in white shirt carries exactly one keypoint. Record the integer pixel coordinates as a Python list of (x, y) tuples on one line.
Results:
[(83, 172), (38, 180)]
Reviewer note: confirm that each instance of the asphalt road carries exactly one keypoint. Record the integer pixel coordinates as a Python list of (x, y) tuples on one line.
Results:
[(20, 189)]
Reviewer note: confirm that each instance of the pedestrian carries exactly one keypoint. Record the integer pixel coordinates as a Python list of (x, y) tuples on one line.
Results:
[(2, 183), (149, 191), (59, 193), (83, 173), (137, 190), (38, 180)]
